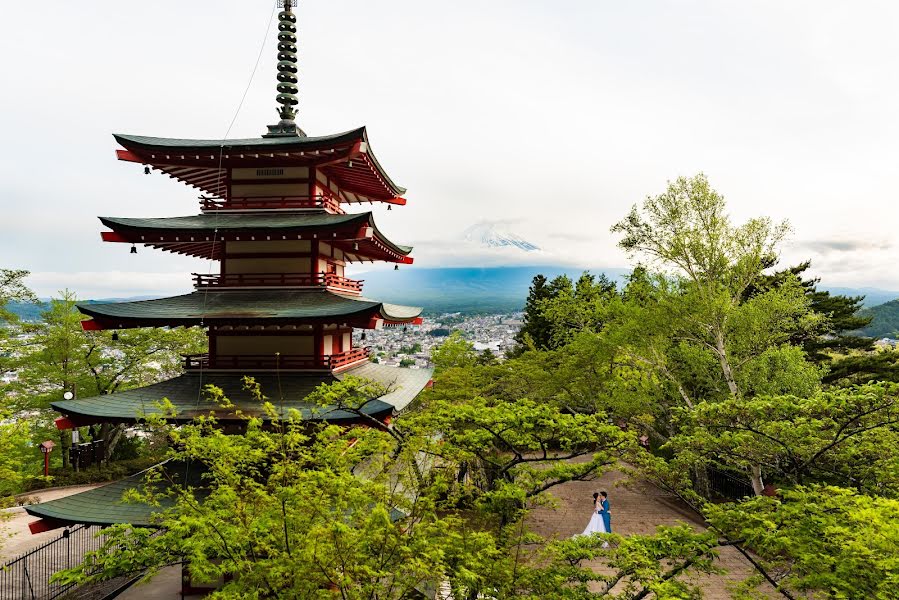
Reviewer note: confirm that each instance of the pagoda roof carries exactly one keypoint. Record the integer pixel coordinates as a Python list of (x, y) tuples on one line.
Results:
[(104, 505), (198, 235), (184, 392), (198, 162), (246, 144), (246, 307)]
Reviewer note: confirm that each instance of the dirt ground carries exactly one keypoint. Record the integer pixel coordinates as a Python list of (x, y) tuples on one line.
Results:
[(637, 509)]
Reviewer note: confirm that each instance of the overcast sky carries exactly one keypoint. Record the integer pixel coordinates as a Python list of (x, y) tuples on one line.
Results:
[(550, 118)]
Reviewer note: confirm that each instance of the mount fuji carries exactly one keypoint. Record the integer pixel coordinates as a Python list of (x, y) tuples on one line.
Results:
[(494, 236)]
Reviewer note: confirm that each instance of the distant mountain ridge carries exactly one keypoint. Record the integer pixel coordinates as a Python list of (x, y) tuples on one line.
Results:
[(32, 312), (504, 289), (873, 296), (465, 289)]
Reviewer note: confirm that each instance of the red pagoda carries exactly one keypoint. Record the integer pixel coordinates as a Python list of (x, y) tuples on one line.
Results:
[(273, 215)]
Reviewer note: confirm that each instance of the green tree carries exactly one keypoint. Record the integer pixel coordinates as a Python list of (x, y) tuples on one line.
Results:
[(820, 541), (512, 451), (487, 357), (845, 436), (293, 510), (454, 352), (835, 343), (13, 289), (535, 329), (694, 327), (578, 308), (59, 356)]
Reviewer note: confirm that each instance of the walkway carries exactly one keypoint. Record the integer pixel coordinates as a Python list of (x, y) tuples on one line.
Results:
[(21, 539)]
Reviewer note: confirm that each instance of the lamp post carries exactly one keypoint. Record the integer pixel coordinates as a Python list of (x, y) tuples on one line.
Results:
[(46, 449)]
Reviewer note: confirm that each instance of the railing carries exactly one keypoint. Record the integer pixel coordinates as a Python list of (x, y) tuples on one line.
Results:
[(728, 485), (269, 362), (329, 280), (338, 361), (84, 455), (271, 202), (28, 576)]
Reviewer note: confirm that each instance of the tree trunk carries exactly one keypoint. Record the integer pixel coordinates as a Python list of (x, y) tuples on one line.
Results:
[(110, 434), (701, 482), (755, 477), (725, 364)]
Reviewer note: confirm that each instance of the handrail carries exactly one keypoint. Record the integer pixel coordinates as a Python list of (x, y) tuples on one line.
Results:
[(328, 280), (269, 361), (271, 202)]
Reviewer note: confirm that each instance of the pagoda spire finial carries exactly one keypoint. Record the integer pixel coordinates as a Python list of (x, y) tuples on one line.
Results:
[(287, 73)]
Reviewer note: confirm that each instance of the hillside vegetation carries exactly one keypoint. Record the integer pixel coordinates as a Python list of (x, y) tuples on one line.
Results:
[(884, 320)]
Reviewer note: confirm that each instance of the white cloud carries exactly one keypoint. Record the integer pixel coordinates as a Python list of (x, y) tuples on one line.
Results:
[(108, 284), (555, 116)]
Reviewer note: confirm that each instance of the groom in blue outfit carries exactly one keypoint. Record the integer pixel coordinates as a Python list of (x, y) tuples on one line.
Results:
[(604, 511)]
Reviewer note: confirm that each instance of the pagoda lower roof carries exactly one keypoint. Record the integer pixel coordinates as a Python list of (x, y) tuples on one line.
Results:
[(185, 393), (247, 307), (200, 235), (104, 505), (345, 157)]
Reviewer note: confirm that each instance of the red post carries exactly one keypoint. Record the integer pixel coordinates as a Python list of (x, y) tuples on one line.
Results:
[(46, 449)]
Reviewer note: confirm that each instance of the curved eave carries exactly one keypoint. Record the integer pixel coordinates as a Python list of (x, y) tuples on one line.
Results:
[(194, 146), (199, 162), (184, 394), (267, 307), (104, 505), (342, 170), (201, 235), (89, 412), (101, 506)]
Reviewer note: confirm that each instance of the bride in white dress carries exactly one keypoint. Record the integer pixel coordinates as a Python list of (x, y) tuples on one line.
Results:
[(596, 524)]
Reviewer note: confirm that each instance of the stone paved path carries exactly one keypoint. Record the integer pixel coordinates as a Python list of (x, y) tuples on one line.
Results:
[(635, 510), (165, 586)]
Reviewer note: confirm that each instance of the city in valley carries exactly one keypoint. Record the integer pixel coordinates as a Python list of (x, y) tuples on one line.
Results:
[(412, 346)]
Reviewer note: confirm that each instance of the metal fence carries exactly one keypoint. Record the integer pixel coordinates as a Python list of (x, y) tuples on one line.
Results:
[(728, 485), (27, 577)]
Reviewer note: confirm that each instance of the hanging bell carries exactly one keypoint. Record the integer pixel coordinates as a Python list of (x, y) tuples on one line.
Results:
[(133, 249), (396, 267), (363, 336), (115, 336), (146, 170), (389, 207)]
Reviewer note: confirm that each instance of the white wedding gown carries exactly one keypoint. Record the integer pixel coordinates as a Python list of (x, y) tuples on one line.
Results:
[(595, 525)]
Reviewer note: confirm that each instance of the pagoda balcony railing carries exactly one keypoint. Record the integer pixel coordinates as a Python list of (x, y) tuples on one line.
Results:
[(269, 362), (238, 280), (329, 203)]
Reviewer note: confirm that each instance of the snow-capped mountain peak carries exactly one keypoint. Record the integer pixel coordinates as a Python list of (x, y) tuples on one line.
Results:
[(495, 236)]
